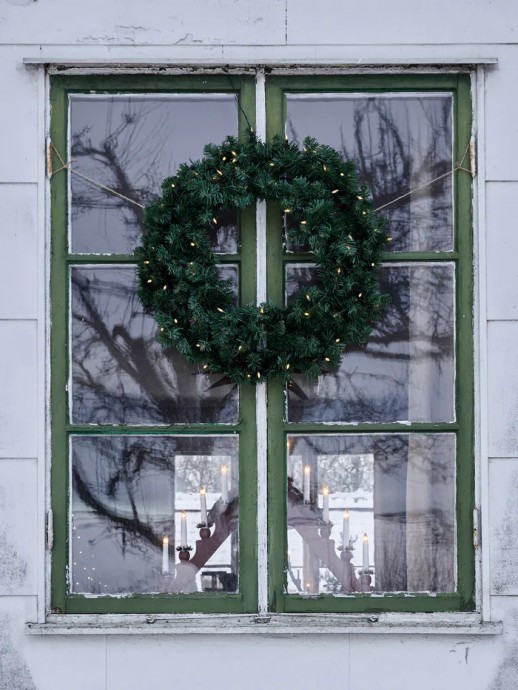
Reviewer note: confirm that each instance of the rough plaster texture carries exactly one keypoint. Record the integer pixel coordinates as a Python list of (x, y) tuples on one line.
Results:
[(221, 31)]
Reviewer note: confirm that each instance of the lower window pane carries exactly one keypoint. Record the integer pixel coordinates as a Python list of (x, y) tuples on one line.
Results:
[(137, 499), (388, 498)]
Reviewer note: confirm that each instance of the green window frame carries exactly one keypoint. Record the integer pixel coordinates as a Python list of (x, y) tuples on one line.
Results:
[(461, 257)]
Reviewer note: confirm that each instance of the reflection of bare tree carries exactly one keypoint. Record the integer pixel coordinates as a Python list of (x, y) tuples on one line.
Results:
[(387, 379), (112, 157), (120, 374), (124, 499), (396, 144)]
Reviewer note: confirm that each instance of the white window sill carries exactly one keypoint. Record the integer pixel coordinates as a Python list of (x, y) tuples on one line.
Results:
[(275, 624)]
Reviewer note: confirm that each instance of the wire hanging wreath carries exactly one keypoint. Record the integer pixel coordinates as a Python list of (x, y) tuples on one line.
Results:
[(331, 215)]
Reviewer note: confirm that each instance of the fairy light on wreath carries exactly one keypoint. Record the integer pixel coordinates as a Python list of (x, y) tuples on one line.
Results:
[(330, 213)]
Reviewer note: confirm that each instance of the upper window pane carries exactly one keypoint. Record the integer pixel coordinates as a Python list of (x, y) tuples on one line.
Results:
[(398, 143), (406, 372), (120, 373), (130, 143)]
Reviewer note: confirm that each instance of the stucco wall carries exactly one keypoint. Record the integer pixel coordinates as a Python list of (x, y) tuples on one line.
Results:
[(220, 31)]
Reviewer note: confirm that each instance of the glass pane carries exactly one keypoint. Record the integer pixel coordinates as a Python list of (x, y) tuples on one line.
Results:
[(120, 374), (406, 372), (398, 142), (130, 143), (137, 498), (388, 498)]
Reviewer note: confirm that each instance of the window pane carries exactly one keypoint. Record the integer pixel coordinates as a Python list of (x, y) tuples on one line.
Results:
[(398, 142), (132, 493), (120, 373), (130, 143), (406, 372), (392, 496)]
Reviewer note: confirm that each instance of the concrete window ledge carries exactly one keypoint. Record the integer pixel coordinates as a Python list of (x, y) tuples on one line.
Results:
[(274, 624)]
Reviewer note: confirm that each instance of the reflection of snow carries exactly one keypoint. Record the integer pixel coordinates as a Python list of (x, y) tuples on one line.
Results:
[(108, 560)]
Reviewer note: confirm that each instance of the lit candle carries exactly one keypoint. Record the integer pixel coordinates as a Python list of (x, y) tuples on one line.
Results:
[(365, 552), (183, 528), (165, 555), (203, 506), (307, 480), (224, 483), (345, 529), (325, 504)]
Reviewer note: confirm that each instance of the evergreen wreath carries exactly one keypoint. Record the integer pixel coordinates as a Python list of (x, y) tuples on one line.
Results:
[(331, 215)]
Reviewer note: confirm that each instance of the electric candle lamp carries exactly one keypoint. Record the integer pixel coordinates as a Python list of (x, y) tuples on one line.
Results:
[(203, 507), (307, 481), (365, 552), (325, 504), (345, 529), (165, 555), (183, 528), (224, 483)]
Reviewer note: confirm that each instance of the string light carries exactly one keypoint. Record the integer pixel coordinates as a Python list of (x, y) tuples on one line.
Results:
[(221, 311)]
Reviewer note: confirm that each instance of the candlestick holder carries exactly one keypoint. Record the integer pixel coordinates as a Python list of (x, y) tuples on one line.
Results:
[(325, 529), (365, 580), (183, 552), (204, 529)]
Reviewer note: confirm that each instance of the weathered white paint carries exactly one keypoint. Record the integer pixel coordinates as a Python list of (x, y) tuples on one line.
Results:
[(18, 392), (480, 342), (18, 526), (503, 389), (18, 114), (456, 623), (503, 512), (501, 115), (18, 246), (502, 286), (278, 32)]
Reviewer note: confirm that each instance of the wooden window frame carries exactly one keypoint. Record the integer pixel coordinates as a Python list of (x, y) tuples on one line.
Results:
[(463, 427)]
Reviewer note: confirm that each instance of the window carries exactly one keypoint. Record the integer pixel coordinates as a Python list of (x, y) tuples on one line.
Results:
[(376, 455)]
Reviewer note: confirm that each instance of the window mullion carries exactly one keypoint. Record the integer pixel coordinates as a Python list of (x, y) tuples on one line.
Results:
[(261, 406)]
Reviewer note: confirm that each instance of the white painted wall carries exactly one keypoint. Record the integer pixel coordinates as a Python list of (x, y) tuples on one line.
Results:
[(221, 31)]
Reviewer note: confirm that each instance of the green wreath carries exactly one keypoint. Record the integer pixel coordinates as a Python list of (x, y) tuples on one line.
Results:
[(195, 309)]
